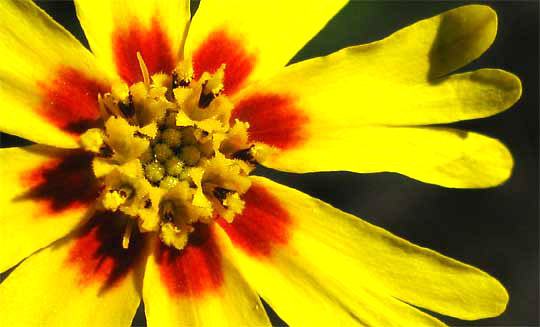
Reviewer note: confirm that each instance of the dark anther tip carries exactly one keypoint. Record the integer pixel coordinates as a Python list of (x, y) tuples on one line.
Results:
[(245, 155), (127, 109), (105, 151), (147, 204), (221, 193)]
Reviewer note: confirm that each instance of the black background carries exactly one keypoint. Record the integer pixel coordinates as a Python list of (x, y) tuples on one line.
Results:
[(496, 229)]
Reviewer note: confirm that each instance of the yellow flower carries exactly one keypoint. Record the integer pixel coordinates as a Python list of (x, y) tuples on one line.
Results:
[(139, 187)]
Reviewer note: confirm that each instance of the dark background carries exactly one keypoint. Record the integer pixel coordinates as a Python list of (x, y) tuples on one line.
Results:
[(496, 229)]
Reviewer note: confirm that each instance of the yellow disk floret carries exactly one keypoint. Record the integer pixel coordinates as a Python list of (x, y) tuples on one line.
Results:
[(154, 172), (168, 182), (172, 137), (190, 155), (174, 166), (162, 152)]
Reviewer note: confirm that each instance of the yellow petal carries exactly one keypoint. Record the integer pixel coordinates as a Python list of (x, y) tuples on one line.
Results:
[(45, 193), (392, 81), (320, 112), (442, 156), (197, 286), (49, 82), (253, 38), (87, 279), (117, 30), (316, 265)]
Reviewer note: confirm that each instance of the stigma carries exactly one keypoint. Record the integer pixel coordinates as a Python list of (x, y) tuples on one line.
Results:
[(168, 155)]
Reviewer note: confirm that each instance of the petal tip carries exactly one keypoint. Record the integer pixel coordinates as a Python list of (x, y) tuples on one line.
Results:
[(509, 85), (479, 13), (497, 301), (514, 89), (502, 165), (463, 35), (503, 297)]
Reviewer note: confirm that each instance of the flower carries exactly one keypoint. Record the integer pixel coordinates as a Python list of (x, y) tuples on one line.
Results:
[(140, 186)]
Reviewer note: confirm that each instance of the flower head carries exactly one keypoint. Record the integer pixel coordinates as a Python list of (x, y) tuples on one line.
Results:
[(140, 186)]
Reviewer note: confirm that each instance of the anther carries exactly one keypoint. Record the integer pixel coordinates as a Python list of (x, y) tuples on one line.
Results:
[(105, 151), (245, 155), (127, 235), (117, 197), (148, 204), (206, 98), (141, 135), (174, 83), (127, 109), (177, 82), (221, 194), (167, 211), (125, 191)]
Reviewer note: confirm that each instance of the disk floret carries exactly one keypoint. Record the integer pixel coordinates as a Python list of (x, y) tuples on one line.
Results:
[(168, 155)]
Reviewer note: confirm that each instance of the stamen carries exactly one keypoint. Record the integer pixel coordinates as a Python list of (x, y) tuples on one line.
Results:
[(206, 99), (148, 204), (128, 109), (125, 192), (221, 193), (245, 155), (174, 82), (144, 69), (127, 235), (105, 151), (178, 82), (104, 111), (168, 212)]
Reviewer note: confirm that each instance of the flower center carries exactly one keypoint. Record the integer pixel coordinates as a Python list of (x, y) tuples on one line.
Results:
[(168, 156)]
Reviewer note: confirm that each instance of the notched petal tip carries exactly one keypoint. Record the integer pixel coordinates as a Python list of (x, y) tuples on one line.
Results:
[(463, 34), (488, 91), (491, 165), (508, 85)]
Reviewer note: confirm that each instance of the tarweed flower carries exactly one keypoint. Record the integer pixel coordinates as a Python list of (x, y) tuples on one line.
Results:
[(140, 185)]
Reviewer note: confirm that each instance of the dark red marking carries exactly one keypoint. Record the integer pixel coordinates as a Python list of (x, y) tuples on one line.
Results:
[(62, 184), (195, 270), (262, 226), (98, 253), (152, 43), (220, 48), (273, 119), (70, 100)]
